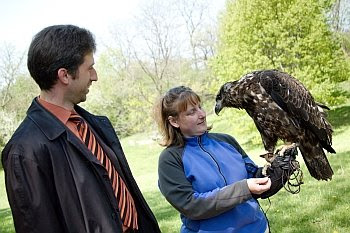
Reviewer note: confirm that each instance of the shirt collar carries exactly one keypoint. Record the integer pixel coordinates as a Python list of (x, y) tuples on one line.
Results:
[(61, 113)]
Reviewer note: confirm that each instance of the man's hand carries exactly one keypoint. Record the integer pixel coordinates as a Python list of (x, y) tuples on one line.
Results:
[(259, 185)]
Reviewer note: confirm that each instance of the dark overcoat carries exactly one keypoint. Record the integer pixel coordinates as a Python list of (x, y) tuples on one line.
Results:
[(55, 184)]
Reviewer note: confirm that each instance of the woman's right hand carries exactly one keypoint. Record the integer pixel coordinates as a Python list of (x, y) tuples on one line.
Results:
[(259, 185)]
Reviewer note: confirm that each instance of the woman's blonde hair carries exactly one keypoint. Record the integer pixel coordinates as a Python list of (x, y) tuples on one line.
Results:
[(172, 104)]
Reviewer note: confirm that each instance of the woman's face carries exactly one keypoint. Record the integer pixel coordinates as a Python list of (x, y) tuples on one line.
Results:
[(191, 122)]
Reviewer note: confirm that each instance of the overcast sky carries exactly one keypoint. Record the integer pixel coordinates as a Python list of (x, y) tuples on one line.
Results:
[(20, 20)]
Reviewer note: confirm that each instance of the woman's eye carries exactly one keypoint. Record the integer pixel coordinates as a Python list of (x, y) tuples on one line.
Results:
[(191, 112)]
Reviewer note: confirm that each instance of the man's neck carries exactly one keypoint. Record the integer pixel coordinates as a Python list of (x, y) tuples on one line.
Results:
[(54, 98)]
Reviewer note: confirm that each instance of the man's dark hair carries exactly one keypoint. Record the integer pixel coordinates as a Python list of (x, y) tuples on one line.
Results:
[(55, 47)]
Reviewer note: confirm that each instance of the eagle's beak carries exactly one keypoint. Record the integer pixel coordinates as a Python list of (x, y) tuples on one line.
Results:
[(218, 107)]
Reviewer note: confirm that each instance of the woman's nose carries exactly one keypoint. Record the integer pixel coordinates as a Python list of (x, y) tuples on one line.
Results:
[(202, 113)]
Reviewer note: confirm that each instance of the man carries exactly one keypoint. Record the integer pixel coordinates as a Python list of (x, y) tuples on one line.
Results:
[(65, 169)]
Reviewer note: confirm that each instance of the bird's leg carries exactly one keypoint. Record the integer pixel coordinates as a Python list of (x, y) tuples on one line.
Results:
[(285, 147), (269, 157)]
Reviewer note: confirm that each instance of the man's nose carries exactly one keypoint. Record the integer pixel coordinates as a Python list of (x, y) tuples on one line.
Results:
[(94, 76)]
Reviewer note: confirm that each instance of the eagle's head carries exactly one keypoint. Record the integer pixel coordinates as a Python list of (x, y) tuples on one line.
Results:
[(227, 97)]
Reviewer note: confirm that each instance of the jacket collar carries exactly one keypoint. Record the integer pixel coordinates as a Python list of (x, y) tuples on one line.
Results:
[(52, 127), (196, 140)]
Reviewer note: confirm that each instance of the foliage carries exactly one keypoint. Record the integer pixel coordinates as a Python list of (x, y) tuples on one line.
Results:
[(346, 42), (126, 96), (113, 95), (167, 45), (20, 95), (292, 36), (16, 91), (237, 122), (7, 127)]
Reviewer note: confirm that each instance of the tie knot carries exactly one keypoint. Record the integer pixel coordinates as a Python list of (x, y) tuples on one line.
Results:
[(78, 120)]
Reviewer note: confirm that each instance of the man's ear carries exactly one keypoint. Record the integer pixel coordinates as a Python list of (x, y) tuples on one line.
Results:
[(173, 121), (62, 75)]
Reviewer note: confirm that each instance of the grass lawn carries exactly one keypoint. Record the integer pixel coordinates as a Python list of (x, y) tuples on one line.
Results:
[(6, 223), (321, 207)]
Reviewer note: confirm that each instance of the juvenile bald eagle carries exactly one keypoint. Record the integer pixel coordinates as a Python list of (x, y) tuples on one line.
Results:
[(282, 108)]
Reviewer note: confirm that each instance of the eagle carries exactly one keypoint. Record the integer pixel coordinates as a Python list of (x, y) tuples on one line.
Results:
[(282, 108)]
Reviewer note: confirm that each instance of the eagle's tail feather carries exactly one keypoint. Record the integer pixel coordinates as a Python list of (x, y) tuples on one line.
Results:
[(329, 148), (316, 161)]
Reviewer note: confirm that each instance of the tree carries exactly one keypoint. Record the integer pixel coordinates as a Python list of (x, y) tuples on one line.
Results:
[(293, 36), (16, 93), (167, 45), (346, 42), (11, 64), (200, 30), (340, 15)]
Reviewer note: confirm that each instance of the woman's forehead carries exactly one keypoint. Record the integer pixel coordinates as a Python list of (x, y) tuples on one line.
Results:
[(189, 106), (188, 102)]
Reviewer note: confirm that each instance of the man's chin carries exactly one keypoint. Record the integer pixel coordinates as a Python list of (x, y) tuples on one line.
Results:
[(82, 99)]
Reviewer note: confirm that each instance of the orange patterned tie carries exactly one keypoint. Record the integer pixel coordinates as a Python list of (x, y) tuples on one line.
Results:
[(126, 203)]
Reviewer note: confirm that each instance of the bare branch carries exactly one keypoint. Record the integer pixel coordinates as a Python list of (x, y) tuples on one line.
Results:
[(10, 69)]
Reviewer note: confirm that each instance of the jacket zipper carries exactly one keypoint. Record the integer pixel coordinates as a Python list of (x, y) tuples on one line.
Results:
[(200, 145)]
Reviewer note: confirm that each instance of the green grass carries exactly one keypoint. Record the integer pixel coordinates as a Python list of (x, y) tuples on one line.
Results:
[(321, 207), (6, 222)]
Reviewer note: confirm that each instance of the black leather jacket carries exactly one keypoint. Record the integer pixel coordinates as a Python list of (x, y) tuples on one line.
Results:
[(55, 184)]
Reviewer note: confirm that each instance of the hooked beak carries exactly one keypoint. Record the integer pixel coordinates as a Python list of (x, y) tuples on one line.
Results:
[(218, 107)]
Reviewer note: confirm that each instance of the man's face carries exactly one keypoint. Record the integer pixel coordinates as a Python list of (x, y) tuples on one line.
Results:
[(86, 74)]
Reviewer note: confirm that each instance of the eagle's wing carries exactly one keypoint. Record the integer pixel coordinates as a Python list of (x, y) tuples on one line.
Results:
[(297, 101)]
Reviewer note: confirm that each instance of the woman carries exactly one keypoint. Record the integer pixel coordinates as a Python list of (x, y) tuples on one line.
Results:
[(207, 177)]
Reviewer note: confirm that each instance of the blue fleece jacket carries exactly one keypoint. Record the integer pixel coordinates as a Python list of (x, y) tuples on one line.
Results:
[(206, 181)]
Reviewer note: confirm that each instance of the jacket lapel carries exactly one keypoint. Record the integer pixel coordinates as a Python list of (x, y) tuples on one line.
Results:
[(53, 128)]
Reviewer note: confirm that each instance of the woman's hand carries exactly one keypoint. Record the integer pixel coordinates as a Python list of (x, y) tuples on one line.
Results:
[(259, 185)]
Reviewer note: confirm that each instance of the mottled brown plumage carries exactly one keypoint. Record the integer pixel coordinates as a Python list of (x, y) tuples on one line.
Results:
[(282, 108)]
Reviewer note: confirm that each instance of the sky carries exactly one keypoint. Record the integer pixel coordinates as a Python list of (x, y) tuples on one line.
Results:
[(20, 20)]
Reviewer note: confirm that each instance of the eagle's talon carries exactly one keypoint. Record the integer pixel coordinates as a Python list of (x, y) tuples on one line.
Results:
[(264, 169), (284, 148)]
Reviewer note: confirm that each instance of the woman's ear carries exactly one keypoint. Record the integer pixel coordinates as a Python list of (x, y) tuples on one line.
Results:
[(173, 121)]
